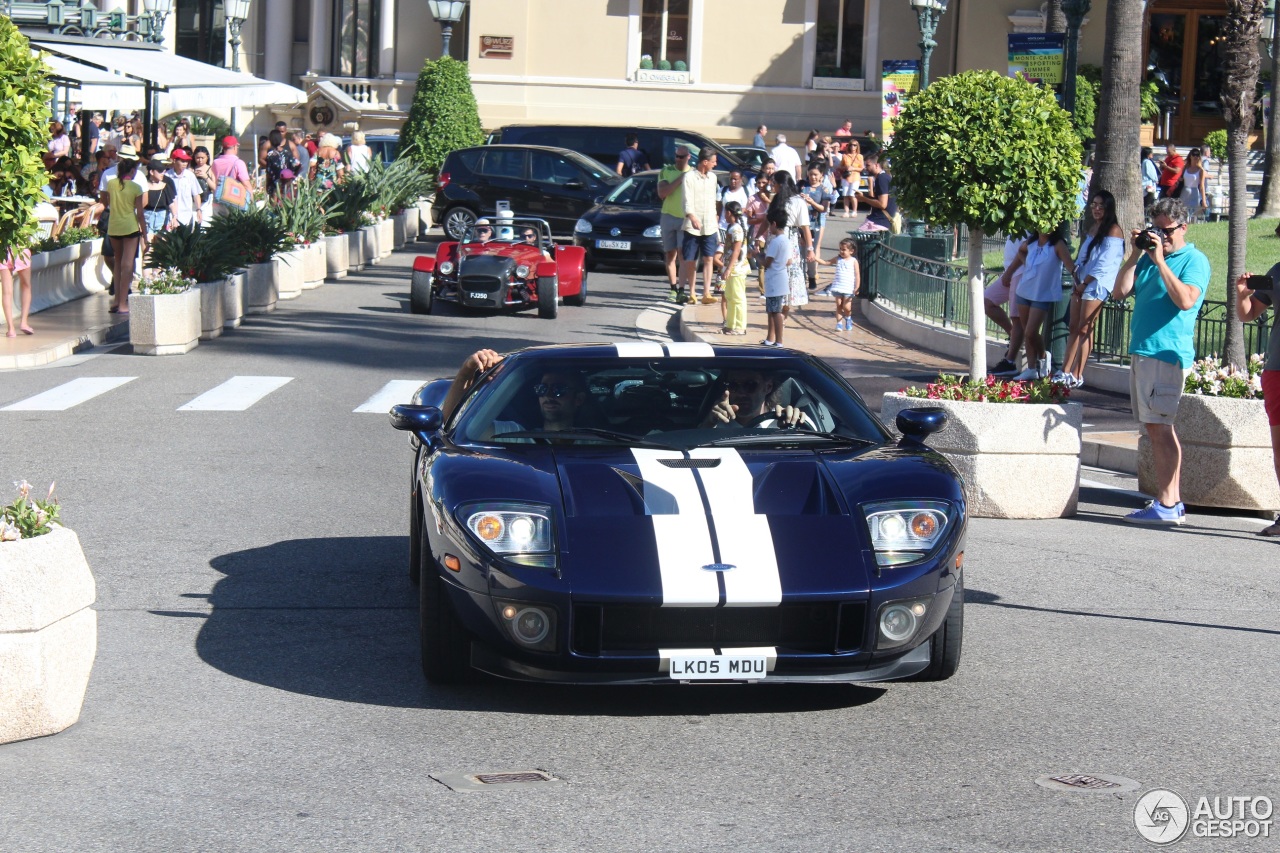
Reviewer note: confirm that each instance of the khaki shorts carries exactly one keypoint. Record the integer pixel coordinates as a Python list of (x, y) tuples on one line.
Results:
[(672, 232), (1154, 389)]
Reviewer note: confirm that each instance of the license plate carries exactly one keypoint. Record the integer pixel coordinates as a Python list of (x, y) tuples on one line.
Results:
[(475, 295), (708, 666), (620, 245)]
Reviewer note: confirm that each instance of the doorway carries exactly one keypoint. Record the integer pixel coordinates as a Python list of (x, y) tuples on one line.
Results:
[(1186, 54)]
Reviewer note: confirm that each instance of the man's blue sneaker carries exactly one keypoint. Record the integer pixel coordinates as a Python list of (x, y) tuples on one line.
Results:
[(1158, 514)]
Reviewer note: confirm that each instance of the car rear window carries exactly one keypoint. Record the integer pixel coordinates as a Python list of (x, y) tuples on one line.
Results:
[(469, 159)]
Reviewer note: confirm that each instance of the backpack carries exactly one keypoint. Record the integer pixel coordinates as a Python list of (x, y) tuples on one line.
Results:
[(629, 158)]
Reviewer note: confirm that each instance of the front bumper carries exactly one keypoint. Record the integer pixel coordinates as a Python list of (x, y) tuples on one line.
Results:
[(490, 294)]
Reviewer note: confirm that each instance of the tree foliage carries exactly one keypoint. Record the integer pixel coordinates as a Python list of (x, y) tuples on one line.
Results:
[(24, 130), (444, 116), (1086, 114), (992, 152)]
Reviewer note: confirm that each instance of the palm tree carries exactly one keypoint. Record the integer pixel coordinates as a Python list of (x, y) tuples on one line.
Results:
[(1269, 204), (1054, 19), (1240, 32), (1115, 162)]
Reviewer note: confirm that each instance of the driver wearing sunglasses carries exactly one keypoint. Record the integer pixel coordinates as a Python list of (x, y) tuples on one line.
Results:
[(745, 403), (560, 394)]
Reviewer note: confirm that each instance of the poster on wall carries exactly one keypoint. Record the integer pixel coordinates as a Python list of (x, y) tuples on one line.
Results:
[(1037, 56), (899, 80)]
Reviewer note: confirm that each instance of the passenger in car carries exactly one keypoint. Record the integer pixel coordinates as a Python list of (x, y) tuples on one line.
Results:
[(560, 395)]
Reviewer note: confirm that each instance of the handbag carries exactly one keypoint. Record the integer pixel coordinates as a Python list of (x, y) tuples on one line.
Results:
[(233, 193)]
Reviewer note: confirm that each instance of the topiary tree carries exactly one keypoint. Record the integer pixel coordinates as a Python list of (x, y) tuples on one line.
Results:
[(993, 153), (444, 116), (24, 129)]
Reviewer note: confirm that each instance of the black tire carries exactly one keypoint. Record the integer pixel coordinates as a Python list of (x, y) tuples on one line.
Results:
[(421, 292), (944, 645), (548, 298), (580, 298), (416, 532), (446, 648), (457, 220)]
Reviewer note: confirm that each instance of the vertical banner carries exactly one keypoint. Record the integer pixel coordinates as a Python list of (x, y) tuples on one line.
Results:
[(900, 79), (1038, 56)]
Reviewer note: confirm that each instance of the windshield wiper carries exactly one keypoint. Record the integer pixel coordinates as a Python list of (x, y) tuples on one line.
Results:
[(787, 436), (594, 434)]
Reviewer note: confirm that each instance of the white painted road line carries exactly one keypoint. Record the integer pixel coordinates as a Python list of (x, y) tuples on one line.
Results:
[(236, 394), (393, 393), (69, 394)]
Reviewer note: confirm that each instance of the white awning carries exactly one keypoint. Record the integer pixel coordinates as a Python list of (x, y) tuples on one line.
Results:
[(98, 90), (185, 84)]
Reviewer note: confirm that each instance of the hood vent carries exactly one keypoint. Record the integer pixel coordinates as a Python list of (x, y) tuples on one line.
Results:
[(690, 463)]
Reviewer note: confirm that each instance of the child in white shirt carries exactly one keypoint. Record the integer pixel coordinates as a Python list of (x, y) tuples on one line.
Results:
[(847, 282), (775, 260)]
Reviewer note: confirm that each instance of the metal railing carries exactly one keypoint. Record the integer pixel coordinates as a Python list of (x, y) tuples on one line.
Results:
[(938, 292)]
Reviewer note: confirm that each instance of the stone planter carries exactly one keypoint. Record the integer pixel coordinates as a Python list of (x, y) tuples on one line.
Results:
[(314, 265), (235, 294), (386, 237), (55, 277), (411, 224), (369, 244), (1017, 460), (424, 217), (289, 271), (336, 255), (1226, 455), (164, 325), (48, 634), (260, 287), (94, 271), (356, 258), (212, 314), (399, 228)]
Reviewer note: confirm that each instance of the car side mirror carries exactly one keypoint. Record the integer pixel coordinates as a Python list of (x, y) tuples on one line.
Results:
[(422, 421), (918, 424)]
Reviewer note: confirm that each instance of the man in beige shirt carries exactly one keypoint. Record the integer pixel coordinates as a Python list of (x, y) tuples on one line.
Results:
[(701, 225)]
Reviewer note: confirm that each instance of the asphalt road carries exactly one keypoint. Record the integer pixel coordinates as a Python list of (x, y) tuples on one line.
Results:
[(257, 685)]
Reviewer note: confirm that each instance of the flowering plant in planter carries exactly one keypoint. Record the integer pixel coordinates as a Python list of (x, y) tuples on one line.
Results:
[(992, 390), (1210, 378), (164, 282), (27, 517)]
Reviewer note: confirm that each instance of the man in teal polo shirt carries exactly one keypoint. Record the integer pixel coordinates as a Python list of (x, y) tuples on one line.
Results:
[(1168, 282)]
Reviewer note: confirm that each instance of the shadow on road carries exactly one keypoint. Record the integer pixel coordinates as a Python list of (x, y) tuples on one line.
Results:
[(337, 618)]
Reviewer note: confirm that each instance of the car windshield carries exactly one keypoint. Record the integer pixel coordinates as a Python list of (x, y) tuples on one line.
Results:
[(679, 403), (517, 230), (636, 192)]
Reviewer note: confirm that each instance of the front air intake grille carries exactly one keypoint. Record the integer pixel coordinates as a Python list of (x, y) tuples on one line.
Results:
[(480, 283), (618, 628)]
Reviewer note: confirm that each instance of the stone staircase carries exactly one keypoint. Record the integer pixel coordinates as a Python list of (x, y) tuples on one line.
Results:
[(1218, 191)]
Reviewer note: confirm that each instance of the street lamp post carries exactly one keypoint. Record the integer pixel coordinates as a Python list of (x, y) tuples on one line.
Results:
[(155, 12), (1074, 10), (928, 12), (237, 12), (447, 13)]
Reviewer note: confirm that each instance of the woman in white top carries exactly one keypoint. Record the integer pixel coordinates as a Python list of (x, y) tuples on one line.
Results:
[(1097, 263), (1193, 184), (358, 153), (1039, 292)]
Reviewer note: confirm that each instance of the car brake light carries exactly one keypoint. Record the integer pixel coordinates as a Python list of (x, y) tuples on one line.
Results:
[(443, 180)]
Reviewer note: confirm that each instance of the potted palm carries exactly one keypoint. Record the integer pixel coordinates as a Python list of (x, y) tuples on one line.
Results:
[(1016, 444), (254, 238), (48, 628), (406, 181), (198, 255), (164, 314), (302, 213), (346, 214)]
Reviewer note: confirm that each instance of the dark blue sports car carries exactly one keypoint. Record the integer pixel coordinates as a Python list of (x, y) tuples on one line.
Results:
[(645, 512)]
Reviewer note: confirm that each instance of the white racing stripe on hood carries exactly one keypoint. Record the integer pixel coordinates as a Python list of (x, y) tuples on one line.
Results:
[(639, 349), (683, 536), (744, 537)]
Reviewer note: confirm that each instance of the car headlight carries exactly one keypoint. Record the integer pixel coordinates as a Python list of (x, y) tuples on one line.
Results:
[(653, 231), (446, 267), (904, 532), (582, 226), (519, 533), (522, 271), (900, 621)]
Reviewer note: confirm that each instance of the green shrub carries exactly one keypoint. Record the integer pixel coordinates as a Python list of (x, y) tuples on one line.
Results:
[(444, 116), (1148, 96), (24, 118), (1086, 113), (71, 236), (1217, 142), (196, 253), (252, 236), (302, 211)]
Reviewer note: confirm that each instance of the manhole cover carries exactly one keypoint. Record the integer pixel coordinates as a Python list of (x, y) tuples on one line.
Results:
[(503, 780), (1100, 783)]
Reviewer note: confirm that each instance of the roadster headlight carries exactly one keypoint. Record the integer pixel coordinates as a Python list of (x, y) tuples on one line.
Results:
[(522, 271), (582, 226), (905, 532), (519, 533), (653, 231), (446, 267)]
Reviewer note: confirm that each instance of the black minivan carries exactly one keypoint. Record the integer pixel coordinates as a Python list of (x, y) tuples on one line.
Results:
[(548, 183), (605, 143)]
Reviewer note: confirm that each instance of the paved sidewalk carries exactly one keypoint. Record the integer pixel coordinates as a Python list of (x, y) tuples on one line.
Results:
[(63, 330)]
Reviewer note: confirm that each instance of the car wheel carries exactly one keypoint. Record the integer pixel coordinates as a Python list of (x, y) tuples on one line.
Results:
[(456, 222), (415, 537), (548, 297), (944, 645), (446, 648), (421, 293), (580, 298)]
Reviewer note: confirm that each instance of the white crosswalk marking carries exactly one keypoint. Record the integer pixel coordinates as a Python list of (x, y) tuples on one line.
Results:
[(69, 394), (236, 394), (394, 392)]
